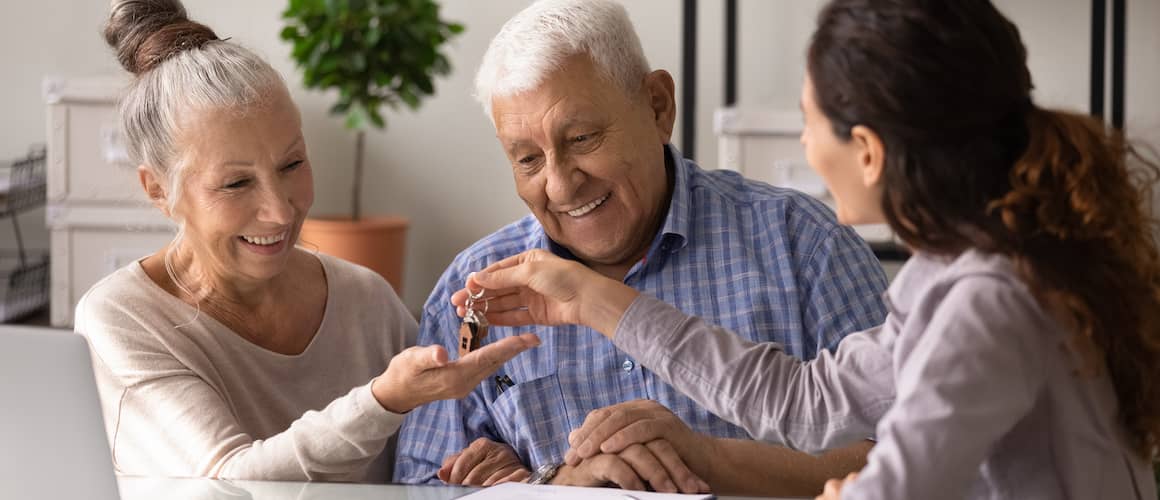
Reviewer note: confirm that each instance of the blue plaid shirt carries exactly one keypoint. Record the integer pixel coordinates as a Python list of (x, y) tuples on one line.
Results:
[(770, 264)]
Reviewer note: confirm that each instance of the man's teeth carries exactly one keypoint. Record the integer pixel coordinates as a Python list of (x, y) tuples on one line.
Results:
[(264, 240), (577, 212)]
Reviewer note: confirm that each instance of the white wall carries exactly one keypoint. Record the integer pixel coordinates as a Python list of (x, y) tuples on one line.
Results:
[(441, 166)]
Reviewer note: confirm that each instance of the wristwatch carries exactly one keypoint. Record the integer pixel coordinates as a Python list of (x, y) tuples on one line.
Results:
[(544, 473)]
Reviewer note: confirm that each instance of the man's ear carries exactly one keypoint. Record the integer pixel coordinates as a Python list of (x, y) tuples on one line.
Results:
[(153, 189), (871, 154), (662, 101)]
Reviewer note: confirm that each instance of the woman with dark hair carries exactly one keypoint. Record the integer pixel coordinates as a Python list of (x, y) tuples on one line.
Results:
[(1021, 355)]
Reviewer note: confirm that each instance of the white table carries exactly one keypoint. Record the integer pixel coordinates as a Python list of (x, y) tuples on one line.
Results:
[(151, 488)]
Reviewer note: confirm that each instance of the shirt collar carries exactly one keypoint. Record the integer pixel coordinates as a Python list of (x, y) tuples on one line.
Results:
[(674, 232)]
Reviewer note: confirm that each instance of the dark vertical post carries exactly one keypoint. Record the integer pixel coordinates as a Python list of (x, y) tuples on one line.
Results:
[(689, 79), (730, 52), (1099, 38), (1119, 29)]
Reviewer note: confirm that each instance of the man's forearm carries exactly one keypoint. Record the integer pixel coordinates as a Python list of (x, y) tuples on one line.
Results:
[(744, 467)]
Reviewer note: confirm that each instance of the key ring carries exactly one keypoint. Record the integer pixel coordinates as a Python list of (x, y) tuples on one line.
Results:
[(476, 296), (472, 297)]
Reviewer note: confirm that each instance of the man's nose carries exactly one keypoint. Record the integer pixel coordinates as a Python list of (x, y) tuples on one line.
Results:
[(564, 178)]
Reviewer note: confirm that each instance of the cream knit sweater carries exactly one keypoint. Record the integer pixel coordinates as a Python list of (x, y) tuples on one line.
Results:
[(199, 400)]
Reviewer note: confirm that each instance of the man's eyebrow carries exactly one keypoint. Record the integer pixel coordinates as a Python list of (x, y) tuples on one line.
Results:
[(573, 121), (513, 143)]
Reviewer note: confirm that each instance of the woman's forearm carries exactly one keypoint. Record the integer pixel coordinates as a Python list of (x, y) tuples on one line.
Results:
[(604, 302), (744, 467), (831, 401)]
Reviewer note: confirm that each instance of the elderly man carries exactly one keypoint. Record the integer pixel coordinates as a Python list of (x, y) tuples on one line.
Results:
[(586, 126)]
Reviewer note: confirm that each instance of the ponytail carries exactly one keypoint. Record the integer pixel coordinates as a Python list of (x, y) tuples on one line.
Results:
[(1077, 223)]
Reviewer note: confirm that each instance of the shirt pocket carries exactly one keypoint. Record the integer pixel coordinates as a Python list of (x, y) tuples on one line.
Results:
[(532, 418)]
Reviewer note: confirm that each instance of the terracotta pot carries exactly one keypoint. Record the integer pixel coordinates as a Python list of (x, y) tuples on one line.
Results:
[(374, 242)]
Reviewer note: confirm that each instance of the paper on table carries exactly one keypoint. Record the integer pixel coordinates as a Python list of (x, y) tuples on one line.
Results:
[(521, 491)]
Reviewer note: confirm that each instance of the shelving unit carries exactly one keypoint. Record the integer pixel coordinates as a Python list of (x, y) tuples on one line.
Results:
[(23, 273)]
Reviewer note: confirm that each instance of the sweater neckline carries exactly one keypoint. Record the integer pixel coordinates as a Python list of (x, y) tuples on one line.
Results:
[(139, 273)]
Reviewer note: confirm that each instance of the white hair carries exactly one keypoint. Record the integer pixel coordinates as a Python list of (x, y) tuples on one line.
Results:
[(535, 42), (218, 75)]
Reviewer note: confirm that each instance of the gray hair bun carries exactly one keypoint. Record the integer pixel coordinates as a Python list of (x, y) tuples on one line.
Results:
[(147, 32)]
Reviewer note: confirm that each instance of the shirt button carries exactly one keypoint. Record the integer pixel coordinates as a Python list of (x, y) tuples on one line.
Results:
[(628, 365)]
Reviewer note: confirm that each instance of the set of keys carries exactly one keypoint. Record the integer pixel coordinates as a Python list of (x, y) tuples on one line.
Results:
[(474, 326)]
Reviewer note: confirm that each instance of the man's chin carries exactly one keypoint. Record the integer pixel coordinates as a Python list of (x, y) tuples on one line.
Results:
[(597, 249), (601, 256)]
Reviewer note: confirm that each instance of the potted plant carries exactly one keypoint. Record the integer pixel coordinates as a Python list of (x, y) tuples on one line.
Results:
[(375, 53)]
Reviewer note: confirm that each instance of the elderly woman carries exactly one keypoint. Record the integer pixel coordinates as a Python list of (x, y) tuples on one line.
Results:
[(231, 353)]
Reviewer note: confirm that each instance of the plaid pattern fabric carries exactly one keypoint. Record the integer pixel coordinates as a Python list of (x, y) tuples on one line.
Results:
[(770, 264)]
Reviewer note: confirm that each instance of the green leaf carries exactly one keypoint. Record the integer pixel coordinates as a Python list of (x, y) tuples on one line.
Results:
[(441, 66), (358, 62), (410, 98), (328, 65), (355, 118), (373, 35), (293, 8), (376, 118), (289, 33), (425, 85)]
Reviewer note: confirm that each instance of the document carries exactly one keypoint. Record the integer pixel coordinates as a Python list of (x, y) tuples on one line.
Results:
[(521, 491)]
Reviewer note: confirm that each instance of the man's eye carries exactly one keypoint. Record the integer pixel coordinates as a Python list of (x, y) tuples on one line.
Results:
[(581, 138), (292, 166), (527, 160), (237, 184)]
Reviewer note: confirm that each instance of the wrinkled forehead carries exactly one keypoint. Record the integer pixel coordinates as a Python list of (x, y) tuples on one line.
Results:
[(574, 93), (529, 118), (259, 132)]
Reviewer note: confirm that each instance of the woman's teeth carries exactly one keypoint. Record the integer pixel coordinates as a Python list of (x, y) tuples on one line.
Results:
[(264, 240)]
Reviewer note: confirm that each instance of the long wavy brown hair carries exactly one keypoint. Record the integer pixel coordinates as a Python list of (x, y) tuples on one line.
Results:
[(972, 162)]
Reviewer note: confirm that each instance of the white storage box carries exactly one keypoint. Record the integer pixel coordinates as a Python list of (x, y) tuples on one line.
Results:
[(89, 242), (98, 216), (87, 162)]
